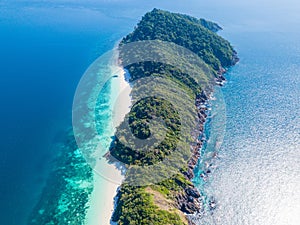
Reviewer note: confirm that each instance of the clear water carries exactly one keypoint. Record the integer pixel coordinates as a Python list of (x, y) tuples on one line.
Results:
[(257, 178), (44, 50), (45, 46)]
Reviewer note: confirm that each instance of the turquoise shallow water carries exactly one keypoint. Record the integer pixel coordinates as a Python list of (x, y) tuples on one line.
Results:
[(45, 49), (46, 46)]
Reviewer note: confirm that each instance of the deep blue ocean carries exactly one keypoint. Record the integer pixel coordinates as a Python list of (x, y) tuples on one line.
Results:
[(45, 47), (255, 177), (44, 51)]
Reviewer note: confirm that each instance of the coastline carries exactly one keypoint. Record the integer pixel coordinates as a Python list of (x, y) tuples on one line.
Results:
[(102, 199), (202, 104), (179, 192), (196, 209), (101, 202)]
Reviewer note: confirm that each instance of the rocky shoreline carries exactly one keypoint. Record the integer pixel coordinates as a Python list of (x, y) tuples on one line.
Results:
[(177, 193), (190, 202)]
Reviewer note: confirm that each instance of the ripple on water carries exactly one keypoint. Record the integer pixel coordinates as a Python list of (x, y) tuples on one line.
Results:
[(257, 179)]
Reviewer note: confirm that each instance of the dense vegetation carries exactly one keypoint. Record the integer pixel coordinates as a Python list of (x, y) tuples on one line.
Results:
[(139, 118), (157, 204), (151, 205), (188, 32)]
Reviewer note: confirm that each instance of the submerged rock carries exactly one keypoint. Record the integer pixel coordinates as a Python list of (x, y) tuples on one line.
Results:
[(193, 192)]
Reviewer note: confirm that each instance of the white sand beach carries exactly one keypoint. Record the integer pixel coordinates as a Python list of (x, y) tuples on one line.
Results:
[(107, 177)]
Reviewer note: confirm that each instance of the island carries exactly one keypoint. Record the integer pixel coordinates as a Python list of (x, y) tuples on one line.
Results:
[(172, 200)]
